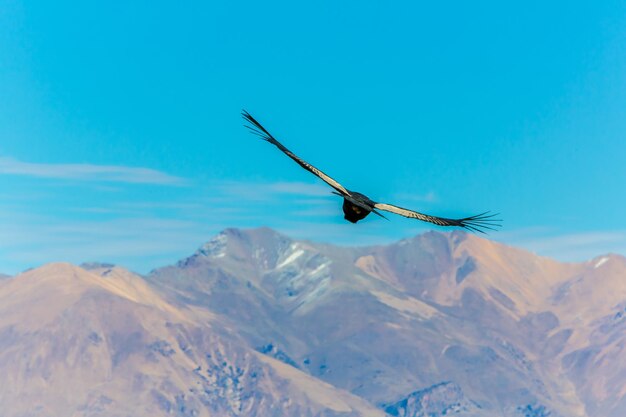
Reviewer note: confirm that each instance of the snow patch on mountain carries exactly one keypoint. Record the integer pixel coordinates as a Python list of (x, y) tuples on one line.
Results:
[(294, 253), (320, 268), (601, 262), (300, 277)]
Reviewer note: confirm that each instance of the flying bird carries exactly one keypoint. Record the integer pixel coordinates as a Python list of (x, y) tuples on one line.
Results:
[(357, 206)]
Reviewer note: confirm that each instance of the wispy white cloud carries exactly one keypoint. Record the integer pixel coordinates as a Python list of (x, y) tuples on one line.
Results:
[(262, 191), (146, 233), (300, 188), (571, 246), (576, 240), (89, 172), (139, 243), (147, 230)]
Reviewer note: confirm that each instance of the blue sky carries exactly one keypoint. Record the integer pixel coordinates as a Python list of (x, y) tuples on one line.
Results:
[(121, 138)]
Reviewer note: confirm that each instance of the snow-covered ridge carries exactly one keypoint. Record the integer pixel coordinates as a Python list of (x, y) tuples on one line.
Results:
[(215, 247)]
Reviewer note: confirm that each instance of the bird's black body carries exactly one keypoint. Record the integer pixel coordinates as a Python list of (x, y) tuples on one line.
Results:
[(357, 206)]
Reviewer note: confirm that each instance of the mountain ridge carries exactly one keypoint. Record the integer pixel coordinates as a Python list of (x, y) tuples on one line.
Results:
[(110, 344), (365, 326)]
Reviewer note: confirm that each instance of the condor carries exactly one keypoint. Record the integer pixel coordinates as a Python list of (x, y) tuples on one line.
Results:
[(357, 206)]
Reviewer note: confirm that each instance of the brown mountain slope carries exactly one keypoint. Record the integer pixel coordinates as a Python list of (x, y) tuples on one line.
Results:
[(102, 343)]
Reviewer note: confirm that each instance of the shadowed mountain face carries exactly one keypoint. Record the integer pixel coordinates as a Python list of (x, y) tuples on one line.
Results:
[(255, 323), (441, 399)]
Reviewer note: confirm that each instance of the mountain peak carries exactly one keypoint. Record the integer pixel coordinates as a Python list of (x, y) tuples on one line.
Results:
[(216, 247), (261, 235), (89, 266), (71, 281), (52, 269), (606, 260), (237, 245)]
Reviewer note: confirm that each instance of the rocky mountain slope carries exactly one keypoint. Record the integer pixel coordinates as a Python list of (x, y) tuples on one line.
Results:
[(255, 323), (103, 343)]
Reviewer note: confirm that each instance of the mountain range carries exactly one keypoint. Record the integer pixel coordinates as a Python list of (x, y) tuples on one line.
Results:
[(257, 324)]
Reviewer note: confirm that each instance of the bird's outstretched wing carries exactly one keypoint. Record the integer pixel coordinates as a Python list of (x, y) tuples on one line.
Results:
[(260, 131), (477, 223)]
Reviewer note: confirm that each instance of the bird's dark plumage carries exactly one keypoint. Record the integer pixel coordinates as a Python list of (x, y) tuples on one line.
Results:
[(357, 206)]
